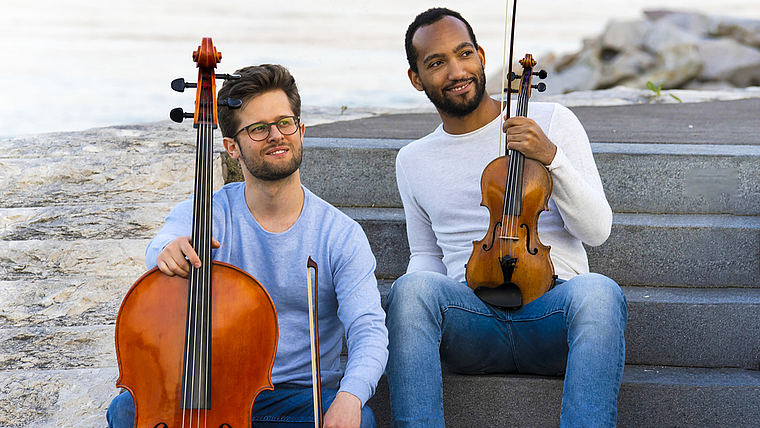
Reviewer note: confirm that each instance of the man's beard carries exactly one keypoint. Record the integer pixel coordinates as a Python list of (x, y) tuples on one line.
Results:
[(459, 108), (268, 172)]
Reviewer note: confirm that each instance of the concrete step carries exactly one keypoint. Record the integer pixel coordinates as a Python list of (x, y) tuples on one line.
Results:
[(637, 178), (650, 397), (74, 314), (643, 249), (689, 327), (38, 260)]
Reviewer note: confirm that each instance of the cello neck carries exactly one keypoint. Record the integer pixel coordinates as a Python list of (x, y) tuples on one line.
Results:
[(197, 363)]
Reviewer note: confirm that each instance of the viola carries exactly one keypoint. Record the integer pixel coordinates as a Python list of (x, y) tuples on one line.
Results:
[(197, 351), (510, 267)]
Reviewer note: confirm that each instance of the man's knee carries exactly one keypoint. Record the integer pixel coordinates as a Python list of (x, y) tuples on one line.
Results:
[(413, 291), (121, 411), (601, 295)]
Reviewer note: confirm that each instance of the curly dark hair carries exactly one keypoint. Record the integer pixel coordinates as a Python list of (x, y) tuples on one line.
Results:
[(254, 81), (428, 17)]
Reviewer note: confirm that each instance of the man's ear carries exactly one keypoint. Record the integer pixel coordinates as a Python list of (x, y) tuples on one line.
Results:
[(482, 55), (415, 79), (232, 147)]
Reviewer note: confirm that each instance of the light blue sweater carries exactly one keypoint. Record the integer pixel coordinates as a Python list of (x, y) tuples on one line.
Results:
[(349, 300)]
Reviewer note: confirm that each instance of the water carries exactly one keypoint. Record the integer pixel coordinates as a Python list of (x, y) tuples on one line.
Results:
[(75, 64)]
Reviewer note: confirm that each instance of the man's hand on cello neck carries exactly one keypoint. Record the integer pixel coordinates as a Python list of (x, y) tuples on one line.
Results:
[(178, 255)]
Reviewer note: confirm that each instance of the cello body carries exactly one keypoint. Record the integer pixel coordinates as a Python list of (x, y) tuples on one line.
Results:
[(150, 339)]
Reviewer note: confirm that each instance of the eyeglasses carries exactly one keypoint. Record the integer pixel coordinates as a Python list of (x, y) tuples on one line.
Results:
[(259, 131)]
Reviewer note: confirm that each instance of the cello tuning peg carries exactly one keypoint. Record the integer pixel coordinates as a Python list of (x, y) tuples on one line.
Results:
[(541, 87), (178, 115), (227, 76), (231, 103), (541, 74), (179, 85)]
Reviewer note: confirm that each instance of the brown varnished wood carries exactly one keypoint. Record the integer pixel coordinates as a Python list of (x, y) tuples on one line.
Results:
[(533, 273), (150, 333), (513, 233)]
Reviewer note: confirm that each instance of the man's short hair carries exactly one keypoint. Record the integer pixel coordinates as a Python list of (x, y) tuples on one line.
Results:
[(254, 81), (428, 17)]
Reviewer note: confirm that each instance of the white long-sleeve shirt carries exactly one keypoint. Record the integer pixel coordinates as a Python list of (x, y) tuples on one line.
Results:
[(439, 176)]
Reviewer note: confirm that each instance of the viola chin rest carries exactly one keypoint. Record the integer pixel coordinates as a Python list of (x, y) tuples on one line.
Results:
[(505, 296)]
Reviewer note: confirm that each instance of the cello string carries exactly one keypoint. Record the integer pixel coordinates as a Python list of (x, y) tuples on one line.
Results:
[(205, 249)]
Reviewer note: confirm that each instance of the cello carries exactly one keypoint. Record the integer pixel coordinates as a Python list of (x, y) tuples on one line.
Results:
[(510, 267), (197, 351)]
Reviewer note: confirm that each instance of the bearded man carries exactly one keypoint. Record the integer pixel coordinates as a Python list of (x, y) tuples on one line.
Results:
[(269, 225), (433, 317)]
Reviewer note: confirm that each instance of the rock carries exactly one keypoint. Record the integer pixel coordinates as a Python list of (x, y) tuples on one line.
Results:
[(728, 60), (675, 49), (744, 31), (676, 65), (692, 23), (626, 65), (664, 35), (625, 35)]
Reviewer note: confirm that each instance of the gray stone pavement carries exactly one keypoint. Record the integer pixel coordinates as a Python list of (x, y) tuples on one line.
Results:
[(719, 122)]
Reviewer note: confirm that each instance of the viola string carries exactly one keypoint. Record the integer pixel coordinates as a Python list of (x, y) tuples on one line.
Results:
[(504, 114)]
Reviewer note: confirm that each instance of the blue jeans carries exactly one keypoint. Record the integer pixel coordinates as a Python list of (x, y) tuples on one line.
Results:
[(286, 406), (577, 328)]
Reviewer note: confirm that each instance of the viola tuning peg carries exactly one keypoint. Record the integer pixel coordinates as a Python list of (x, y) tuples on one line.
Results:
[(178, 115), (514, 91), (541, 74), (231, 103), (541, 87), (179, 85), (514, 76)]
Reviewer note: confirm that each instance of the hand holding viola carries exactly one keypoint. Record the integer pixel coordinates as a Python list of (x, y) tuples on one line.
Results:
[(525, 136)]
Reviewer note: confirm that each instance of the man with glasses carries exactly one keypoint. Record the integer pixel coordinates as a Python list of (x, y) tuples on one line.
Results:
[(268, 226)]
